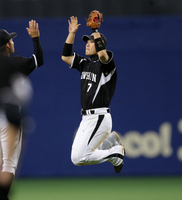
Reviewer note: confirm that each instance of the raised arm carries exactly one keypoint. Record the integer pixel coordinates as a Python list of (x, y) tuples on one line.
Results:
[(94, 22), (67, 54), (100, 47), (34, 33)]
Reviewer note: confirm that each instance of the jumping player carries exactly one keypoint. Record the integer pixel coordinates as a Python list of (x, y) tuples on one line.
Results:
[(94, 142), (11, 102)]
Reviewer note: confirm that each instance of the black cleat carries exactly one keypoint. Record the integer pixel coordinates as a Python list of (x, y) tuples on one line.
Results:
[(118, 168)]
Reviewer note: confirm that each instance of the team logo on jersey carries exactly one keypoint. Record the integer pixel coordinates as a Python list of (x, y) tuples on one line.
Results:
[(89, 76)]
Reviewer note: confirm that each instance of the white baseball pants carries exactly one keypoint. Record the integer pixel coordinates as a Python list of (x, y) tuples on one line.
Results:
[(93, 130), (10, 154)]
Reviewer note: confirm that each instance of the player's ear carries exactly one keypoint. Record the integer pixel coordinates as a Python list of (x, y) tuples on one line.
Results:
[(7, 46)]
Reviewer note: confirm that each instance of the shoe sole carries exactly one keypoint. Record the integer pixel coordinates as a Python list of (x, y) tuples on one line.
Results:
[(119, 141)]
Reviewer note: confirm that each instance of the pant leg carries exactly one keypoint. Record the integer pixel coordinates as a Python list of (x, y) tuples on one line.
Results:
[(93, 130), (110, 141), (10, 154)]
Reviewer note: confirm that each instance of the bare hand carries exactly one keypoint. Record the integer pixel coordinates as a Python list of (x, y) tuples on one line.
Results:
[(33, 29), (73, 24)]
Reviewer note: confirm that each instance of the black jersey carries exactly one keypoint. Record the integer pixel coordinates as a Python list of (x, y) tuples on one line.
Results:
[(98, 80), (10, 66)]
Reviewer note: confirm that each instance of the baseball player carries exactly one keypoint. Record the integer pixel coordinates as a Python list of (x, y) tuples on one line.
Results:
[(13, 71), (94, 142)]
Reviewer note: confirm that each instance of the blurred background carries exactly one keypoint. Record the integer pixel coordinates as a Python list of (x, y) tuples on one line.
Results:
[(146, 39)]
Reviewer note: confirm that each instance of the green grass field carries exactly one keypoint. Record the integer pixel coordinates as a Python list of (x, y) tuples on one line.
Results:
[(124, 188)]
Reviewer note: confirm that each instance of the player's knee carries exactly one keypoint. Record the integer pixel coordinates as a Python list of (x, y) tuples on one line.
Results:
[(9, 166), (9, 169), (76, 160)]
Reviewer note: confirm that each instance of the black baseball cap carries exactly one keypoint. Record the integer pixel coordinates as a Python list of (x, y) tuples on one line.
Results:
[(91, 37), (5, 37)]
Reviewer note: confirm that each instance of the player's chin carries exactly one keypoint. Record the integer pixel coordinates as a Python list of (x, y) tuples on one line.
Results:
[(12, 51), (87, 53)]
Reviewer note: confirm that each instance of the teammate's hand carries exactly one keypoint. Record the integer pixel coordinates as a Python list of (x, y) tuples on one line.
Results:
[(33, 29), (73, 24)]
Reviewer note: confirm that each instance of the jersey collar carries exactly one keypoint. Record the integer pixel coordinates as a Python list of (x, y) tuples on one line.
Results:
[(94, 57)]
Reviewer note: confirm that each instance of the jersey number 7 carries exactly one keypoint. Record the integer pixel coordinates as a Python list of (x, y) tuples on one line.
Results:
[(89, 86)]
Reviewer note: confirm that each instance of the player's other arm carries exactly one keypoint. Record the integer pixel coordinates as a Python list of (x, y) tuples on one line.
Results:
[(67, 53), (34, 33)]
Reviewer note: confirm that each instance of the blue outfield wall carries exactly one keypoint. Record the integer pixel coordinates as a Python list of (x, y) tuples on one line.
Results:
[(146, 107)]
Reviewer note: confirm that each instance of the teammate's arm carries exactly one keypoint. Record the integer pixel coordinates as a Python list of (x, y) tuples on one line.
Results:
[(67, 54), (34, 33)]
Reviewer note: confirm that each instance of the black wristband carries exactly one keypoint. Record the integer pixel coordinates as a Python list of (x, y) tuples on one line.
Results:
[(67, 49), (99, 44), (95, 30)]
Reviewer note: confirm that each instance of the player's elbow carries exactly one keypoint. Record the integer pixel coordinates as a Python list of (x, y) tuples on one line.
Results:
[(63, 58), (103, 56), (67, 59)]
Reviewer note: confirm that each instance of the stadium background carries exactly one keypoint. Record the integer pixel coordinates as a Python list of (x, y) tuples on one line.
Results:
[(145, 36)]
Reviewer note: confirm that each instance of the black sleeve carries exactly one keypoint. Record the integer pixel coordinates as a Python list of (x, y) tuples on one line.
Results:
[(38, 51), (78, 62), (110, 65)]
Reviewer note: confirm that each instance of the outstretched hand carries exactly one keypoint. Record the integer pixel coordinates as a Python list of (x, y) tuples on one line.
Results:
[(73, 24), (33, 29)]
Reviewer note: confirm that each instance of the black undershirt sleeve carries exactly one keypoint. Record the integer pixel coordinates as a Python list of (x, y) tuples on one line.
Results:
[(38, 51)]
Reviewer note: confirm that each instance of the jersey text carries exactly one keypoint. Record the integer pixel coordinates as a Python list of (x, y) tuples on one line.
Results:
[(89, 76)]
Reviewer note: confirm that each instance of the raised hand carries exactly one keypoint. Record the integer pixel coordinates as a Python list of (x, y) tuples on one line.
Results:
[(73, 24), (33, 29)]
